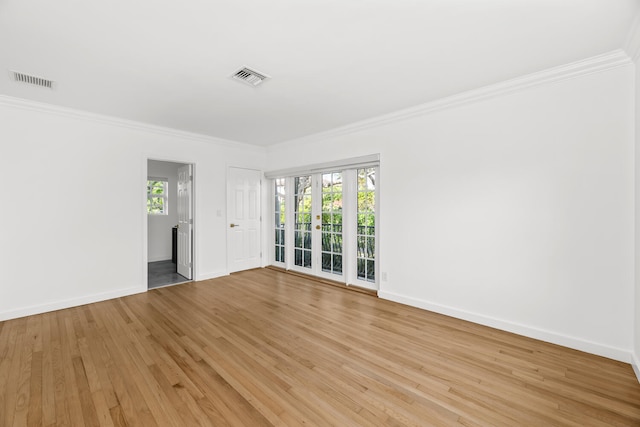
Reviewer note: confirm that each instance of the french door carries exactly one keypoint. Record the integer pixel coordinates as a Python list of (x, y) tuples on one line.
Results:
[(317, 227), (325, 225)]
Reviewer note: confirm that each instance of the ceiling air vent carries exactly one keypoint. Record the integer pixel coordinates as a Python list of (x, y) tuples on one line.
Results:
[(32, 80), (249, 76)]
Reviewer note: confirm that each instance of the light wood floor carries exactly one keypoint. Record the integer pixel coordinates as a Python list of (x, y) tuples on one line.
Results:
[(264, 348)]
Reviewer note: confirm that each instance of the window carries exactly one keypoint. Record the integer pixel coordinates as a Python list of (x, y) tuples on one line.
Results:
[(157, 195), (279, 218), (366, 232), (332, 223), (302, 221)]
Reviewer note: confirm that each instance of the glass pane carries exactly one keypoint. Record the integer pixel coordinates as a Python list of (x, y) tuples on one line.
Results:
[(303, 221), (371, 275), (326, 242), (307, 259), (307, 240), (297, 257), (362, 243), (326, 182), (327, 202), (362, 179), (361, 269), (337, 243), (337, 263), (326, 262)]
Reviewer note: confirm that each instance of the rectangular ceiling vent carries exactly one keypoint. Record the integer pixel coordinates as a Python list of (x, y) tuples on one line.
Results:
[(249, 76), (32, 80)]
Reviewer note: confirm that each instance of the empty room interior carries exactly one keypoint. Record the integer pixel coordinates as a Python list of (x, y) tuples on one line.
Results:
[(402, 213)]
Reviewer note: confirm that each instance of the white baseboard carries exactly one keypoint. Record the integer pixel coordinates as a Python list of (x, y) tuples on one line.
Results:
[(213, 275), (527, 331), (635, 363), (68, 303)]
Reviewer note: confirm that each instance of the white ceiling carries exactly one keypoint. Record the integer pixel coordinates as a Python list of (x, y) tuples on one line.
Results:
[(332, 62)]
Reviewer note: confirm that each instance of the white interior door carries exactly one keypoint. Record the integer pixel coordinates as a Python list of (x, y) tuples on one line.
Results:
[(185, 222), (243, 216)]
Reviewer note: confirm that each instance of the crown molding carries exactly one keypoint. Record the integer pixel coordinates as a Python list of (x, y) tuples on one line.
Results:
[(596, 64), (632, 43), (41, 107)]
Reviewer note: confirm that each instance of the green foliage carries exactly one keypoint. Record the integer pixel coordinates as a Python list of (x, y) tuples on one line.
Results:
[(156, 205)]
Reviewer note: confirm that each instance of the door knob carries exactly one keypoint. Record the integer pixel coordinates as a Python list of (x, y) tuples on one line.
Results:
[(317, 227), (234, 225)]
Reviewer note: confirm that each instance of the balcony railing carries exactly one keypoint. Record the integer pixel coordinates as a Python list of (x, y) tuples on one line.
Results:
[(332, 238), (331, 244)]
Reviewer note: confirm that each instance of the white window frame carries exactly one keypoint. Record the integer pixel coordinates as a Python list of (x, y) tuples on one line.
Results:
[(282, 264), (164, 195)]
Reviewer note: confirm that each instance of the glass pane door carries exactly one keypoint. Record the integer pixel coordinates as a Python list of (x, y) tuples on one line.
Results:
[(302, 222), (331, 230), (366, 229), (279, 217)]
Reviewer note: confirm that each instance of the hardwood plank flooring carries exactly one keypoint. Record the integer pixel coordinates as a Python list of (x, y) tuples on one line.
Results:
[(267, 348)]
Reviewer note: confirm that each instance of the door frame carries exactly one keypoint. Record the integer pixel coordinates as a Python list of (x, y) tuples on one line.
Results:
[(145, 216), (316, 233), (349, 225)]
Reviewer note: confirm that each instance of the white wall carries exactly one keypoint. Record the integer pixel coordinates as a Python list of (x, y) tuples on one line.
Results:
[(514, 211), (632, 48), (636, 361), (75, 216), (159, 226)]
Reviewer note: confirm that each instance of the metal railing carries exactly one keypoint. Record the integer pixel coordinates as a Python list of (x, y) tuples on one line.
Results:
[(332, 238), (331, 244)]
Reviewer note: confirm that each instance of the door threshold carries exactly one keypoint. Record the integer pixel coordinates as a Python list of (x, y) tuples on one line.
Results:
[(334, 283), (170, 284)]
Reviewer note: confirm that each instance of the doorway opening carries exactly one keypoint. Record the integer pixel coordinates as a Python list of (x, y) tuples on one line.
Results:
[(169, 223)]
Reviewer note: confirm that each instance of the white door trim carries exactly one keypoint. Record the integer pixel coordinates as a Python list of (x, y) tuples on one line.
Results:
[(144, 285)]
